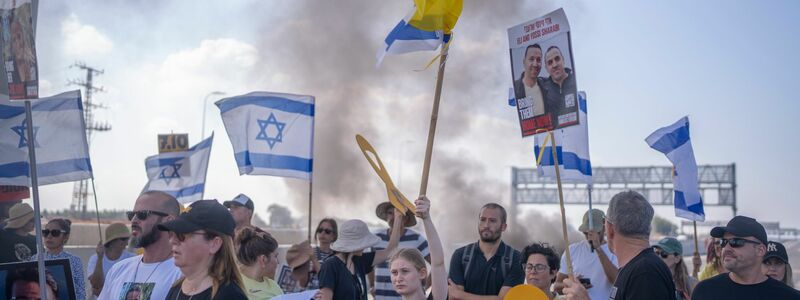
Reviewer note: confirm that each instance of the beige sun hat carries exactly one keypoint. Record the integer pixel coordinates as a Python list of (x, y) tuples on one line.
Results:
[(354, 236), (117, 231), (19, 215)]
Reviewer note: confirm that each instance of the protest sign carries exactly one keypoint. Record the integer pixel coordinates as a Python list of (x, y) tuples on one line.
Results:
[(17, 33), (13, 193), (58, 276), (173, 142), (543, 73)]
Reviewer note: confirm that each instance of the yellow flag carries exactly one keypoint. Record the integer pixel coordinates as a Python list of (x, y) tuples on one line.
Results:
[(432, 15)]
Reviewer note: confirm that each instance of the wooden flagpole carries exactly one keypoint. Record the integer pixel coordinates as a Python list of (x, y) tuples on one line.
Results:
[(561, 204), (423, 188)]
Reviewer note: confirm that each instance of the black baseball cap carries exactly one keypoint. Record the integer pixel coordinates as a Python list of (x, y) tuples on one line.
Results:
[(775, 249), (241, 200), (742, 226), (202, 215)]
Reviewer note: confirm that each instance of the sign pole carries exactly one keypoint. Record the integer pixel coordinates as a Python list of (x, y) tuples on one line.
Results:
[(561, 203), (423, 188), (35, 188), (97, 211)]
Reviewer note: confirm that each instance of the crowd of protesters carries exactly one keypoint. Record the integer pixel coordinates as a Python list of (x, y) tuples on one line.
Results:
[(210, 250)]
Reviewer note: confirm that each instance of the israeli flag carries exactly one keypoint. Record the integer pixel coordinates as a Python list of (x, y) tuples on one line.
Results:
[(674, 142), (572, 150), (59, 137), (181, 174), (406, 38), (272, 133)]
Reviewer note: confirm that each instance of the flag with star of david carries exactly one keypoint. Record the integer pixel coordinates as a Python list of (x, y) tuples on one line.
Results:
[(181, 174), (271, 133), (59, 137)]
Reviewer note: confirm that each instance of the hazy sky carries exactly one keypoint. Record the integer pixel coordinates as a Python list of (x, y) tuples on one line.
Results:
[(730, 66)]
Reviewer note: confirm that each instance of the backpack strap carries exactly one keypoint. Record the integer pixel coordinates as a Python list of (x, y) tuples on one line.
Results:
[(508, 255), (466, 259)]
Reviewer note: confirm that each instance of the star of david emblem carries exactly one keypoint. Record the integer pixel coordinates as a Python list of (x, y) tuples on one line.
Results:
[(263, 134), (21, 130), (170, 172)]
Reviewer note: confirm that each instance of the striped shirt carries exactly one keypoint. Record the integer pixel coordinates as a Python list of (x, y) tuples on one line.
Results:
[(383, 279)]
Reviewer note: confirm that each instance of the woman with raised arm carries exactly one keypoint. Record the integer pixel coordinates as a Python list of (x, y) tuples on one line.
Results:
[(408, 269)]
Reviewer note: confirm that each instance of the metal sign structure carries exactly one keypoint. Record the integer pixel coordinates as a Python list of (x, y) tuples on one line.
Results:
[(717, 185)]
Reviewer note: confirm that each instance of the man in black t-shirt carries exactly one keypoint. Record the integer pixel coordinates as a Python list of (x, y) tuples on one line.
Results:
[(488, 267), (743, 242), (642, 274)]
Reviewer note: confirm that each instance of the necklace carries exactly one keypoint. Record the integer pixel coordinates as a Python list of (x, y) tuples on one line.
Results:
[(194, 291), (136, 273)]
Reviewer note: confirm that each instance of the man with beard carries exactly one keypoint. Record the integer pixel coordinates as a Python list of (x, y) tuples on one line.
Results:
[(744, 244), (154, 271), (489, 268), (560, 90)]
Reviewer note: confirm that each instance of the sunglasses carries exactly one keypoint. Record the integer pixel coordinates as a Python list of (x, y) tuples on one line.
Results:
[(661, 253), (735, 242), (143, 214), (182, 236), (53, 232), (325, 230)]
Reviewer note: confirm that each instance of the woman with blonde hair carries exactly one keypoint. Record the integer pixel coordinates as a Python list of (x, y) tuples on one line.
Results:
[(671, 252), (202, 246), (713, 265), (258, 256), (407, 266)]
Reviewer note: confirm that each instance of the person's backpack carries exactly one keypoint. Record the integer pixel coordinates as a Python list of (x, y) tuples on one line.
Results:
[(466, 259)]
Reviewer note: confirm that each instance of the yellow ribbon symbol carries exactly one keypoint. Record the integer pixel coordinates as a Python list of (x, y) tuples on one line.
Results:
[(396, 198)]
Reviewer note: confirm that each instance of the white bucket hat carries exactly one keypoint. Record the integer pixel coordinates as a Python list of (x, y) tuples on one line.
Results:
[(354, 236)]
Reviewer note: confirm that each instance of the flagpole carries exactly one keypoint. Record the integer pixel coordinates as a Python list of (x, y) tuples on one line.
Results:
[(696, 250), (561, 203), (35, 188), (310, 190), (97, 211), (591, 219), (434, 117)]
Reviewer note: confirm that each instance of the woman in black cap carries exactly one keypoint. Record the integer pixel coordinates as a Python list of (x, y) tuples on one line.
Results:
[(776, 263), (202, 246)]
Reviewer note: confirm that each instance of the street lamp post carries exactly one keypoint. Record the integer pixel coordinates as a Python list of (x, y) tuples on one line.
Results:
[(205, 102)]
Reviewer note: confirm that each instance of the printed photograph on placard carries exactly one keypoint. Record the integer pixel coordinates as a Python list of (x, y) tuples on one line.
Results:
[(20, 280), (543, 73), (19, 49)]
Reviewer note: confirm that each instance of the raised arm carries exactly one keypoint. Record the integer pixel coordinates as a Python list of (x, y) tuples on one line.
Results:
[(438, 277), (394, 239), (96, 278)]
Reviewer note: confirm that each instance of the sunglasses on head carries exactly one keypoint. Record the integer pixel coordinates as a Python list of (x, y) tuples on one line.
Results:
[(144, 214), (325, 230), (53, 232), (735, 242)]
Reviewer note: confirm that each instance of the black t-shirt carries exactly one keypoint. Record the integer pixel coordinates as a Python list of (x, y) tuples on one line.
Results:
[(225, 291), (486, 277), (334, 275), (722, 287), (646, 276), (16, 248)]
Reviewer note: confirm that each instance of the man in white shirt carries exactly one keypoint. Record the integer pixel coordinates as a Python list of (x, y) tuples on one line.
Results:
[(591, 259), (151, 274)]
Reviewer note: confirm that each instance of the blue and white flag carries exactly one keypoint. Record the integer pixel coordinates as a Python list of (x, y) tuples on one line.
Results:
[(572, 150), (674, 141), (406, 38), (271, 133), (181, 174), (59, 137)]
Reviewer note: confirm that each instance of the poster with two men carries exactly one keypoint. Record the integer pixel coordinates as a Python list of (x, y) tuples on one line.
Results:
[(543, 72)]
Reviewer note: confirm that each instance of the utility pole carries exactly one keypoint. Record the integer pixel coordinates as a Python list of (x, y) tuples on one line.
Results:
[(80, 192)]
